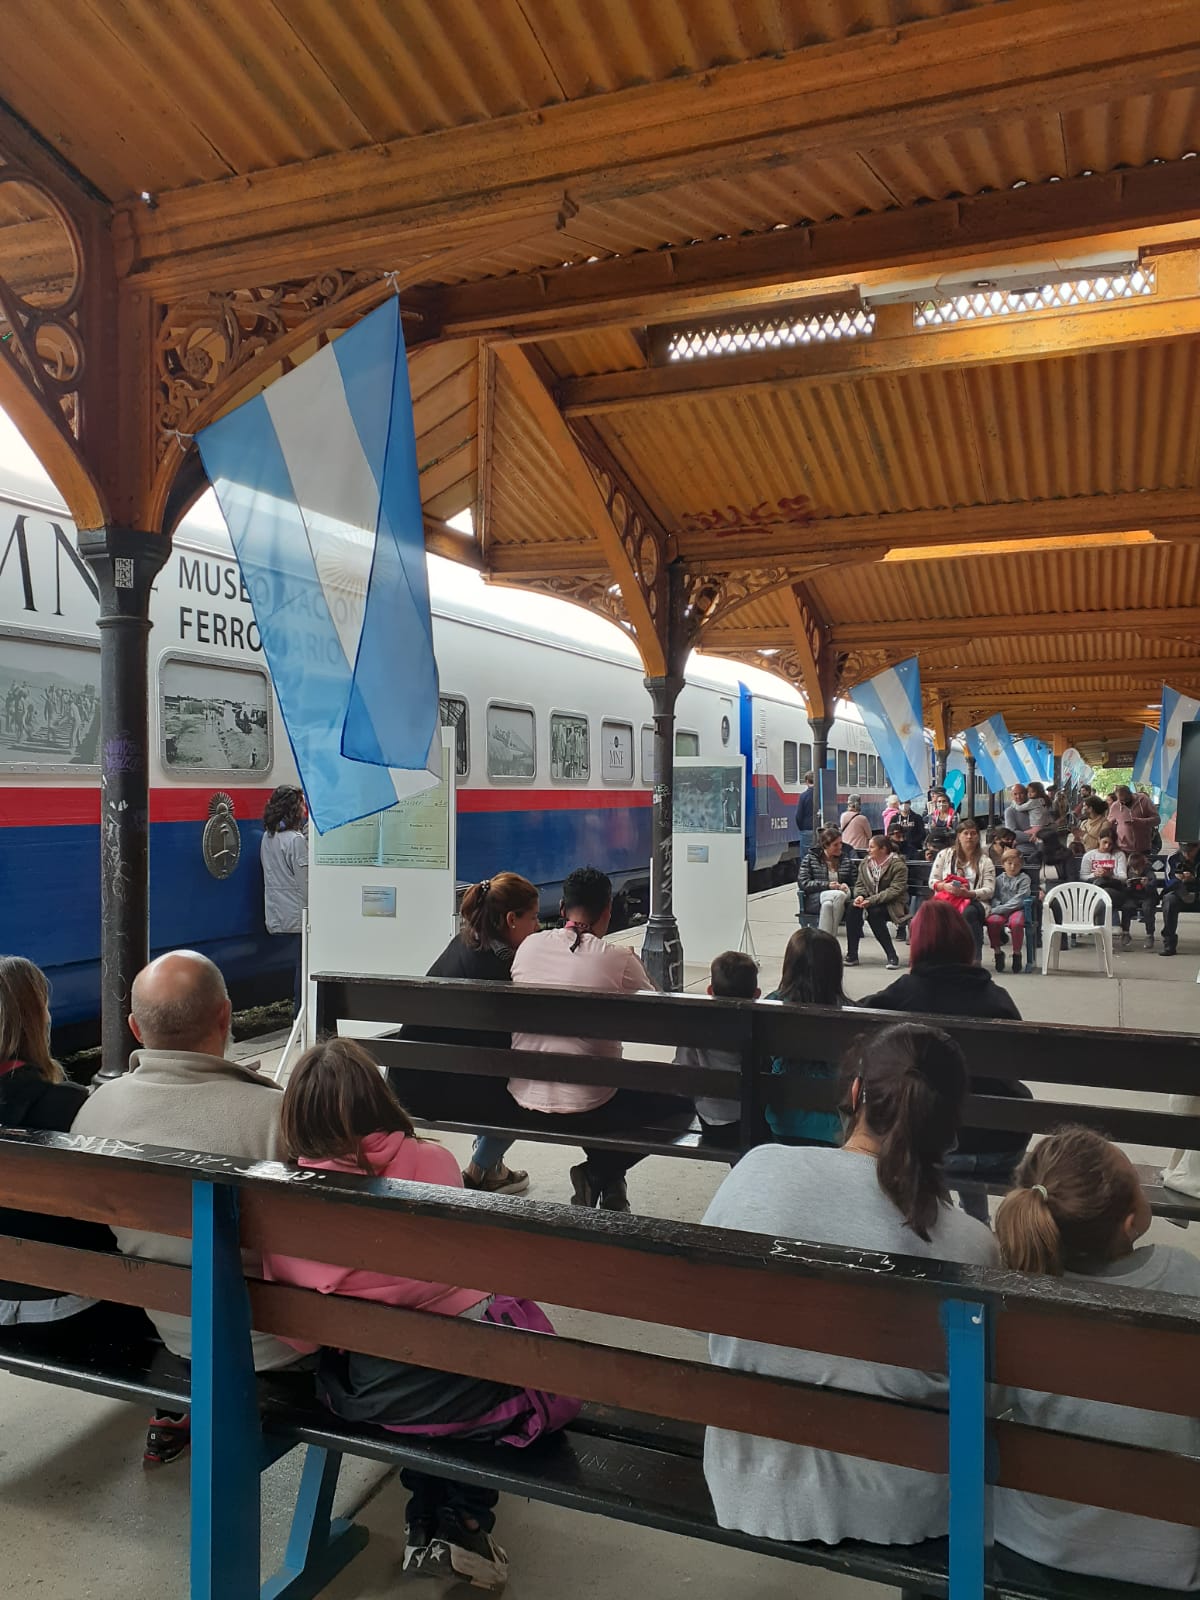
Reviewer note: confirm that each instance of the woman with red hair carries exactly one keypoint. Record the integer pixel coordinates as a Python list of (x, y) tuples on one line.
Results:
[(943, 980)]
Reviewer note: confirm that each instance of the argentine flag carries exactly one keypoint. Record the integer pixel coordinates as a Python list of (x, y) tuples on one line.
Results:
[(1177, 710), (995, 756), (1037, 758), (1147, 755), (317, 481), (890, 706)]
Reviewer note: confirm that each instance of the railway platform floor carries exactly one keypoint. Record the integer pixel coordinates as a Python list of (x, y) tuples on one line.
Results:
[(79, 1518)]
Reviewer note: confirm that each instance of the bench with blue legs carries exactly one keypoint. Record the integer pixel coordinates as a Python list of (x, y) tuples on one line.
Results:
[(635, 1452)]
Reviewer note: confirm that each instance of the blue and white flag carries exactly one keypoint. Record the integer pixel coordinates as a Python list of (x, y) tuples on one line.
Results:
[(1037, 758), (317, 481), (1177, 710), (1147, 754), (995, 757), (890, 706)]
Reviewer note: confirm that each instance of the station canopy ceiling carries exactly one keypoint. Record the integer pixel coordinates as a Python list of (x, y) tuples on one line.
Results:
[(882, 317)]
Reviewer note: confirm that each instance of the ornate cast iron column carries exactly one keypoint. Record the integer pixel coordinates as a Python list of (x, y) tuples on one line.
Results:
[(969, 797), (662, 949), (126, 564), (820, 732)]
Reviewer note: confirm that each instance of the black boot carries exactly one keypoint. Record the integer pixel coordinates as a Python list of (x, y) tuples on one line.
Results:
[(1000, 961), (1016, 966), (1170, 945)]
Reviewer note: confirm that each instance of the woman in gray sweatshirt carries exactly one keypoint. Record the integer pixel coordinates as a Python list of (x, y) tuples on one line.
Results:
[(1078, 1213)]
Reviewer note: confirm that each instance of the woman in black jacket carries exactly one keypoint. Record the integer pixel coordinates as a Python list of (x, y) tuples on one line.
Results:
[(944, 980), (35, 1095), (496, 916)]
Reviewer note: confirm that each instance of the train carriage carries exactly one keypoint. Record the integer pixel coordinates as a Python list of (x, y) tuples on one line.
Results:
[(553, 752)]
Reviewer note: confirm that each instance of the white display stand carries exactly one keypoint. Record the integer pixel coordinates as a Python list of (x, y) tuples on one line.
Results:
[(381, 894), (710, 857)]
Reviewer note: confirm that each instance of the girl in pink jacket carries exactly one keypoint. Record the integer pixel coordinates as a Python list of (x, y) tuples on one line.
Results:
[(340, 1115)]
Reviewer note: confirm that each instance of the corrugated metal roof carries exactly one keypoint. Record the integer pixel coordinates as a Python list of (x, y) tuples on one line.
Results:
[(1099, 423), (531, 500)]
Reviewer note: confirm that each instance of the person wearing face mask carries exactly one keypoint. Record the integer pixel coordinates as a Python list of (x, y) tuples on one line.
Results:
[(881, 893)]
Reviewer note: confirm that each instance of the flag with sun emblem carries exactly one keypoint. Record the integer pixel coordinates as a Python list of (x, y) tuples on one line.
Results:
[(316, 478), (890, 706), (996, 756)]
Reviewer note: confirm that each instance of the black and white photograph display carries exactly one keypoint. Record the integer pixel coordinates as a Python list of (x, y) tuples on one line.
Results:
[(510, 742), (616, 752), (708, 800), (49, 702), (569, 757), (216, 719)]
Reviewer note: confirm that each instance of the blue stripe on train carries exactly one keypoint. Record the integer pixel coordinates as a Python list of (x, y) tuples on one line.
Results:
[(546, 845), (50, 890)]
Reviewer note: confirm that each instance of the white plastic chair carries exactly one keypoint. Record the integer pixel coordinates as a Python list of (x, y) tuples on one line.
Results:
[(1078, 904)]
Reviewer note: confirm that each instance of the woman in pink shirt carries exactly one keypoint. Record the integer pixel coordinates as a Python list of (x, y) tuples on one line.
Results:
[(339, 1115), (576, 956)]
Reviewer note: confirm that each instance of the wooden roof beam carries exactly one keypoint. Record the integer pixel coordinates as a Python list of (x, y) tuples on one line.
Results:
[(896, 346), (1123, 212), (919, 80), (529, 378), (974, 679), (1167, 513), (1181, 620)]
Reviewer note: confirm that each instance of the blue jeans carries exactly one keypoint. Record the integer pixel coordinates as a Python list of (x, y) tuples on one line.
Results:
[(490, 1151)]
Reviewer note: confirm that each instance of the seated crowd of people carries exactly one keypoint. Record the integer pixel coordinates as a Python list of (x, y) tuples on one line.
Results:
[(873, 1172), (853, 876)]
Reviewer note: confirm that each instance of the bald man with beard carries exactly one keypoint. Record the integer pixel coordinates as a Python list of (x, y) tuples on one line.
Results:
[(183, 1092)]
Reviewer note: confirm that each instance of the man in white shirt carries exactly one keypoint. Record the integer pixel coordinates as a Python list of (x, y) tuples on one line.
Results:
[(576, 956)]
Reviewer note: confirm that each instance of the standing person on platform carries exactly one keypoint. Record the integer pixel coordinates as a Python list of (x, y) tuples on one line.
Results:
[(902, 1096), (913, 824), (806, 815), (284, 856), (1078, 1213), (881, 894), (1134, 819), (340, 1116), (824, 893), (1179, 893), (496, 917), (856, 830), (576, 957), (890, 812), (967, 861)]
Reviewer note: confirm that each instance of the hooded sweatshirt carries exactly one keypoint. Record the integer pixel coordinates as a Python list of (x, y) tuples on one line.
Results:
[(387, 1155), (959, 991), (27, 1100)]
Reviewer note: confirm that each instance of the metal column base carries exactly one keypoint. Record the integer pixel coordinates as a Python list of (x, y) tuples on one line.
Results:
[(317, 1548)]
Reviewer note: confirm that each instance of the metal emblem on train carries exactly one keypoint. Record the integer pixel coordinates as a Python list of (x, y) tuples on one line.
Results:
[(222, 841)]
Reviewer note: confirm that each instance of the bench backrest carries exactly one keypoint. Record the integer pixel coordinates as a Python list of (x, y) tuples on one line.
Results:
[(757, 1032), (1089, 1342)]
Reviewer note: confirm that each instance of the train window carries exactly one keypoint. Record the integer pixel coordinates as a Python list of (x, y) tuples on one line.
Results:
[(843, 769), (213, 718), (852, 769), (686, 743), (874, 764), (511, 750), (570, 753), (49, 701), (804, 759), (647, 755), (791, 762), (616, 752), (452, 710)]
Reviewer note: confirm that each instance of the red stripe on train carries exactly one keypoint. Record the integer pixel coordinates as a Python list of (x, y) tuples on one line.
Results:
[(48, 807), (475, 800)]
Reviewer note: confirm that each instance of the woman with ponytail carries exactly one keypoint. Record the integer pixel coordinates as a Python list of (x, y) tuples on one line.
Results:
[(1077, 1213), (902, 1095), (495, 918)]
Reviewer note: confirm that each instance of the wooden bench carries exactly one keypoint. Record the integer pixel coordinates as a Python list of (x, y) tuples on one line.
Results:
[(1087, 1341), (1048, 1054)]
